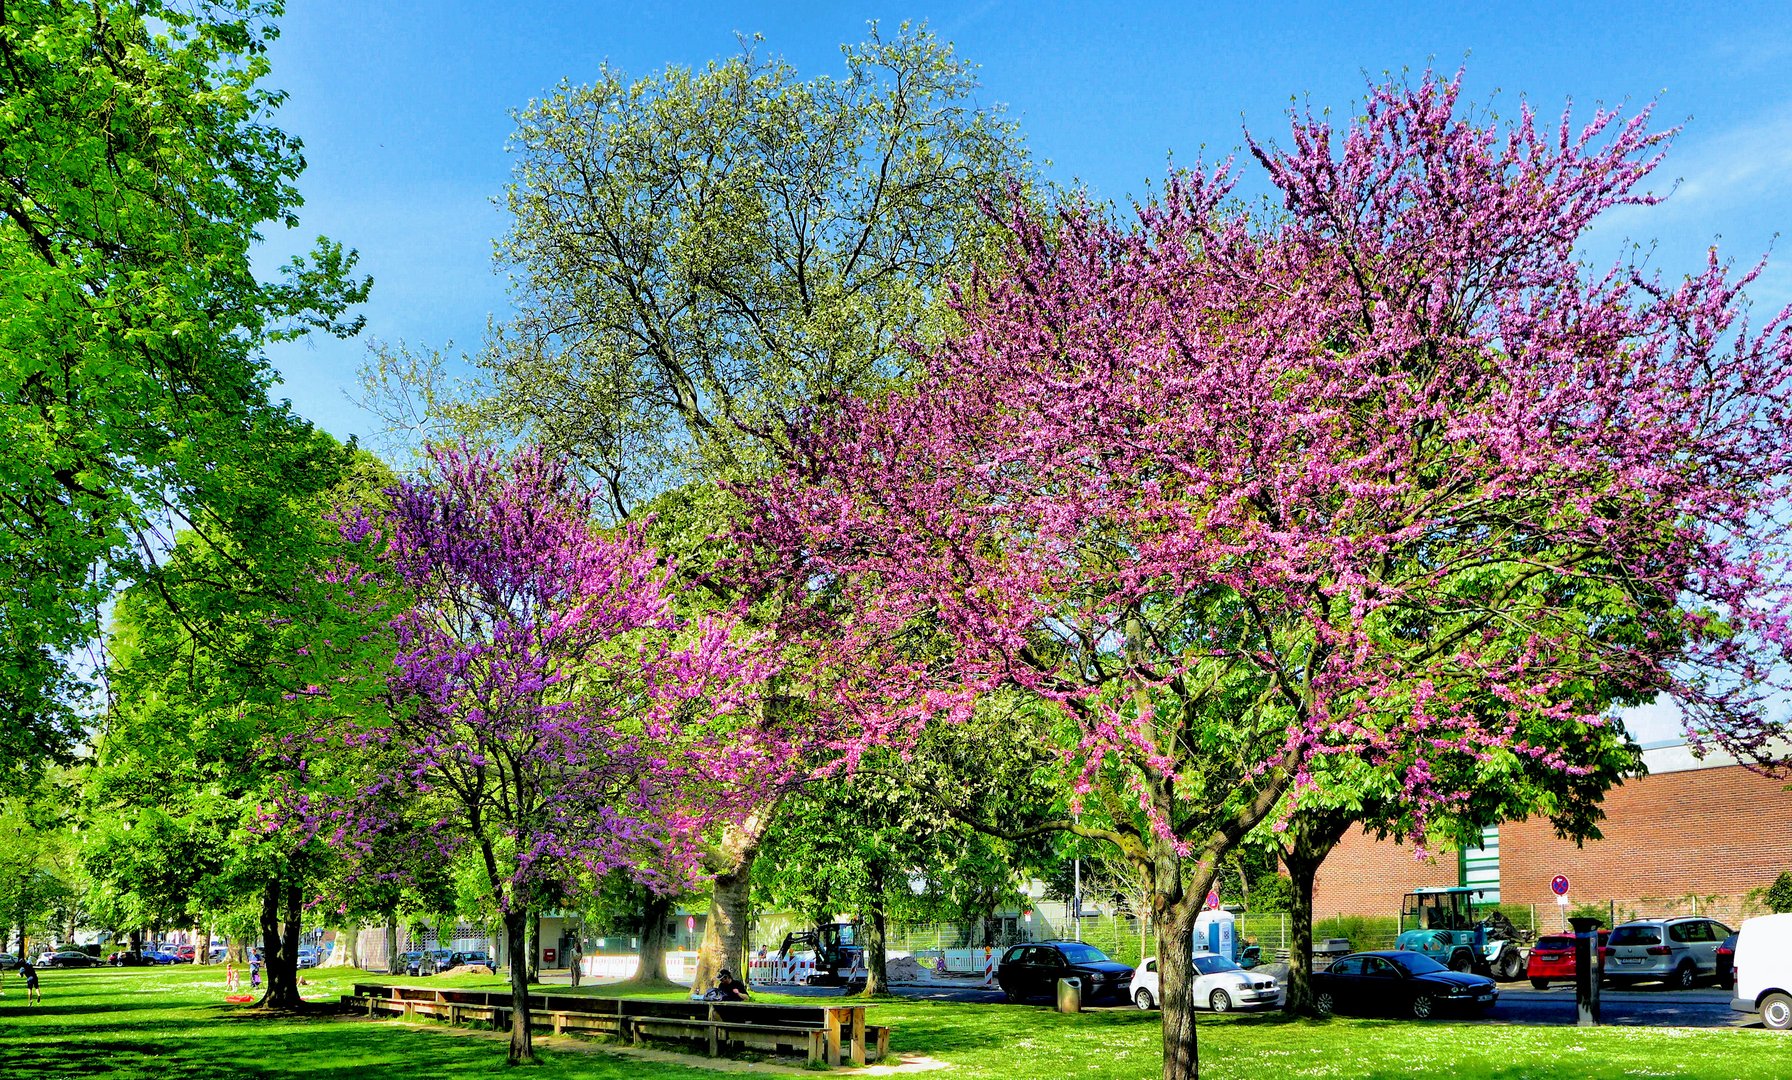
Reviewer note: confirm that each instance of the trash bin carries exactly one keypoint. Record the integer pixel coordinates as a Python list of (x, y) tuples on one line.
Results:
[(1070, 995)]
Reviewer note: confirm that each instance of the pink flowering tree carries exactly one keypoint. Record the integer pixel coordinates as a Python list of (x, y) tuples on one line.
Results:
[(1234, 494), (541, 706)]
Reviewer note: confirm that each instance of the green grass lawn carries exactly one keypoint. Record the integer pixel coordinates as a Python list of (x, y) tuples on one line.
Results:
[(172, 1022)]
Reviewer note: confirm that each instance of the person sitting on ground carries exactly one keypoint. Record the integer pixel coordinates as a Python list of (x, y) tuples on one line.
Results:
[(728, 988)]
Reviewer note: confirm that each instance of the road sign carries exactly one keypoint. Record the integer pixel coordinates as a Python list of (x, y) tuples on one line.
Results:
[(1560, 885)]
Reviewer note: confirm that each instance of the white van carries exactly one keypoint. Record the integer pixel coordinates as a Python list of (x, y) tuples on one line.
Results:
[(1764, 970)]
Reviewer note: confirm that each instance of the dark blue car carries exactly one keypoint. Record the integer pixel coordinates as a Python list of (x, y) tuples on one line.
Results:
[(1400, 984)]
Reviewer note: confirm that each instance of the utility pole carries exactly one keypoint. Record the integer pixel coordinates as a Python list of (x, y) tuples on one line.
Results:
[(1076, 898)]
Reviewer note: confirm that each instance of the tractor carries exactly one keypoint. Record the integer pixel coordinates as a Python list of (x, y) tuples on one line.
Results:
[(839, 958), (1444, 928)]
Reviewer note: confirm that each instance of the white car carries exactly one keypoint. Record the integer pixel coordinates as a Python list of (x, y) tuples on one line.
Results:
[(1764, 970), (1220, 985)]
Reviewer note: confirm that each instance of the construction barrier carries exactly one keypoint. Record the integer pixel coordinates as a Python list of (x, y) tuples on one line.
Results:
[(989, 966)]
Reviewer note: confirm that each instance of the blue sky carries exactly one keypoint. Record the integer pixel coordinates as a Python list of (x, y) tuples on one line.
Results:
[(404, 110), (403, 107)]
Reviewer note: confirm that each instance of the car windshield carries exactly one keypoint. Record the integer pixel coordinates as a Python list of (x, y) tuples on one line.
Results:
[(1636, 935), (1555, 943), (1082, 954), (1213, 964), (1416, 963)]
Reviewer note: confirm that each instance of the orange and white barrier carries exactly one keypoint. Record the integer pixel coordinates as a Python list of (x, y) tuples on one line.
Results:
[(989, 966)]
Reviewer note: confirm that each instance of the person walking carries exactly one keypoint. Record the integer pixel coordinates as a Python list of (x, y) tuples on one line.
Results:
[(254, 972), (33, 995)]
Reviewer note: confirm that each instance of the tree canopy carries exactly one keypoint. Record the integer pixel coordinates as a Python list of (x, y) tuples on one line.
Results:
[(141, 166)]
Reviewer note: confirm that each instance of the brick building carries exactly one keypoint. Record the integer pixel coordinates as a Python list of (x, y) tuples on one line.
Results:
[(1690, 835)]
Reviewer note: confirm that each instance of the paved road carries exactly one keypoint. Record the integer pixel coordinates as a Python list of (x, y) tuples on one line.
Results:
[(1639, 1007)]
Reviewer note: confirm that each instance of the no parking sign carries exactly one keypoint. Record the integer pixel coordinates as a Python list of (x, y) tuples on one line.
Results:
[(1559, 886)]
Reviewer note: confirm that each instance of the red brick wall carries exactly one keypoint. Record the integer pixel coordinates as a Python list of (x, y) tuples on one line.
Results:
[(1704, 832), (1365, 876), (1701, 833)]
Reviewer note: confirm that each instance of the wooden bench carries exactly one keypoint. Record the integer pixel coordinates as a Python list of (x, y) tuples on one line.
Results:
[(830, 1033)]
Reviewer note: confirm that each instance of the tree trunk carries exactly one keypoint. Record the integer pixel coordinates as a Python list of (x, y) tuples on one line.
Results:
[(137, 941), (1306, 843), (655, 939), (731, 902), (725, 935), (516, 934), (392, 943), (534, 947), (1175, 920), (347, 951), (281, 960), (877, 980), (202, 944), (1302, 870)]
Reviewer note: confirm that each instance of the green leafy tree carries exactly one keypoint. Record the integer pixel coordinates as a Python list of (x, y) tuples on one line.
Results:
[(702, 255), (202, 663), (141, 167), (1779, 894)]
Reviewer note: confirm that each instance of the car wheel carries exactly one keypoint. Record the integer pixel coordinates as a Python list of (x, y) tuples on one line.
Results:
[(1423, 1006), (1540, 984), (1144, 1000), (1511, 966), (1776, 1012), (1009, 996), (1462, 961), (1323, 1003), (1684, 977), (1220, 1001)]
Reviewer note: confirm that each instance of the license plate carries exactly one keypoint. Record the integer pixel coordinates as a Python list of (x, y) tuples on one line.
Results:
[(1630, 959)]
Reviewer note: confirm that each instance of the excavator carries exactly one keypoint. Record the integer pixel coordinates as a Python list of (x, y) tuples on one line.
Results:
[(839, 958)]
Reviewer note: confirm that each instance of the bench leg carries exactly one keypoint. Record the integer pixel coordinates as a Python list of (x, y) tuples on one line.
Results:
[(559, 1024), (815, 1041), (833, 1032), (714, 1042), (858, 1036), (883, 1043)]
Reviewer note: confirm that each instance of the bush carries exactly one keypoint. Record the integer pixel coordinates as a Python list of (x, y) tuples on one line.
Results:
[(1779, 894)]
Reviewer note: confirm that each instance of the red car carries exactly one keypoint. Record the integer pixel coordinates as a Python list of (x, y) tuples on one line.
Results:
[(1553, 958)]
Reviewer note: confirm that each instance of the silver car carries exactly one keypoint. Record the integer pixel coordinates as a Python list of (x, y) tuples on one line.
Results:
[(1677, 951)]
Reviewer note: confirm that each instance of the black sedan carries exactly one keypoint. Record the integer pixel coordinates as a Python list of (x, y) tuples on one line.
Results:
[(68, 958), (1033, 970), (1399, 983), (128, 958)]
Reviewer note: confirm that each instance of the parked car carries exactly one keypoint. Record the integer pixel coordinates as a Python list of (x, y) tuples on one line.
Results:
[(1726, 962), (129, 958), (1677, 951), (183, 954), (407, 961), (160, 956), (68, 958), (307, 957), (436, 961), (1407, 983), (1552, 958), (1220, 985), (478, 956), (1033, 970), (9, 962), (1763, 970)]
